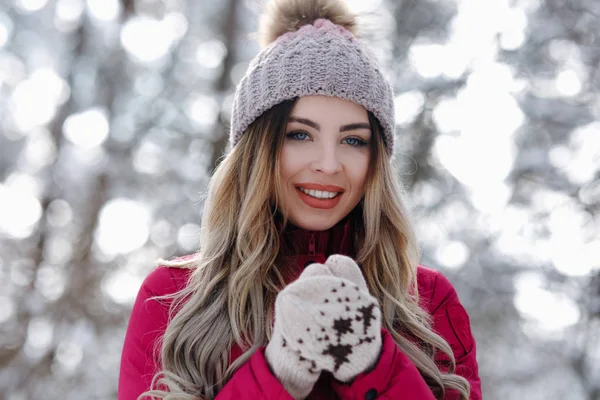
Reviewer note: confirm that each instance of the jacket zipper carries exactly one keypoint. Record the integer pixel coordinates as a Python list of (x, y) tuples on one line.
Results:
[(311, 244)]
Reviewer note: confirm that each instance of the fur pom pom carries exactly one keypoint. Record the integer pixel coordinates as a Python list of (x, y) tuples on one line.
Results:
[(282, 16)]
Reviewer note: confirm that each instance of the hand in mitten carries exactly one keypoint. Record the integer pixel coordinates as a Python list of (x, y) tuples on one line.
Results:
[(326, 320)]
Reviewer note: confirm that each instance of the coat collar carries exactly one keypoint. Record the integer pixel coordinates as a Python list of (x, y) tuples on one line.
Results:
[(339, 239)]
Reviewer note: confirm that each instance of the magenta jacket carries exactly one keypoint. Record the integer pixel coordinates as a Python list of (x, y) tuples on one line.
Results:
[(394, 376)]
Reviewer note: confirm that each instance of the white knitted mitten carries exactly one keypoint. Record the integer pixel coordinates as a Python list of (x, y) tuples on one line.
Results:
[(325, 320)]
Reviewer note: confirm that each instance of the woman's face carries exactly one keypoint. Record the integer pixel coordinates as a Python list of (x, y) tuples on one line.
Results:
[(324, 162)]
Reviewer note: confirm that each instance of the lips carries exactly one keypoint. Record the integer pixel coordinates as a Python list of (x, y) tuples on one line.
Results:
[(319, 203), (324, 188)]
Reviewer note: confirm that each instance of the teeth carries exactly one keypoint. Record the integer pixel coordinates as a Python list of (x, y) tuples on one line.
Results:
[(319, 194)]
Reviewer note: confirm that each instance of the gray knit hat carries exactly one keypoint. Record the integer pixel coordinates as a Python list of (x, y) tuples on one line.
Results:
[(318, 59)]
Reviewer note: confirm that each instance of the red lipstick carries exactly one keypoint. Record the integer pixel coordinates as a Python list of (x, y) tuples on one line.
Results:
[(316, 186), (314, 202)]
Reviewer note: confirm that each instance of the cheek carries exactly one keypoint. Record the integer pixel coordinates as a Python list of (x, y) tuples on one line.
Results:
[(292, 162), (357, 169)]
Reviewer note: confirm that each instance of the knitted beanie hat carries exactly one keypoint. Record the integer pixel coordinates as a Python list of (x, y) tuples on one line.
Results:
[(319, 58)]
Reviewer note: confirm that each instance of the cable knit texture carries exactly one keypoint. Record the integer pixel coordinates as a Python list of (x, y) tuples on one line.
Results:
[(318, 59), (324, 321)]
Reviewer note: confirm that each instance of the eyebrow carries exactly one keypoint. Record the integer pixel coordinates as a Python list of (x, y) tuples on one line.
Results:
[(345, 128)]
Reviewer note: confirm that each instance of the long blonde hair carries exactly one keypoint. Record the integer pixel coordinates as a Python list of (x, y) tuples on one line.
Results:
[(231, 292)]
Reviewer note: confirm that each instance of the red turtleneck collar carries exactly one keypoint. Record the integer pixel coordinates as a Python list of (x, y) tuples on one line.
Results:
[(300, 248)]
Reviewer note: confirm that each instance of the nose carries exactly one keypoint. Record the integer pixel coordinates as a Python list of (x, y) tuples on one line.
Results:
[(327, 160)]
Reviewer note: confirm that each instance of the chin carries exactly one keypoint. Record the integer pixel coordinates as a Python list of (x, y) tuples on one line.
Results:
[(315, 225)]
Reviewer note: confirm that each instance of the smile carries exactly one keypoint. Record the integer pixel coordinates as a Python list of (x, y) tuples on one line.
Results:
[(319, 194), (319, 199)]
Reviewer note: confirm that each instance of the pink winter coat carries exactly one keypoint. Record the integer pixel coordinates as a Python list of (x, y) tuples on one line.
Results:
[(394, 376)]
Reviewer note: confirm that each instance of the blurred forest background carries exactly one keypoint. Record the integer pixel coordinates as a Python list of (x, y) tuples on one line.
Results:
[(113, 113)]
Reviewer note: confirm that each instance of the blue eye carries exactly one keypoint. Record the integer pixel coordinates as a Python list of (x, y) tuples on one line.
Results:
[(355, 142), (298, 135)]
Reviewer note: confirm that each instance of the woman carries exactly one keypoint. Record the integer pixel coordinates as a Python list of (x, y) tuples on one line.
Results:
[(307, 283)]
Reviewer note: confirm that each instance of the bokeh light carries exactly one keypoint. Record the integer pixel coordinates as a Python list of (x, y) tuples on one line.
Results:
[(123, 226), (6, 29), (30, 5), (19, 212), (104, 10), (87, 129), (552, 311), (121, 286), (407, 106), (36, 99)]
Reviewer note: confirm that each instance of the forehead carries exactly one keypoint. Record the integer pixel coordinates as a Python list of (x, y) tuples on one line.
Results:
[(329, 109)]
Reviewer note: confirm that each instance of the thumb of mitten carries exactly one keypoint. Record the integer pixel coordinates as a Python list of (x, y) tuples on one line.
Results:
[(346, 268), (297, 374)]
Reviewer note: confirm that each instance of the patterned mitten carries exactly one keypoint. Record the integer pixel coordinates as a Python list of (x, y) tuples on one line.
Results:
[(328, 320), (297, 374)]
